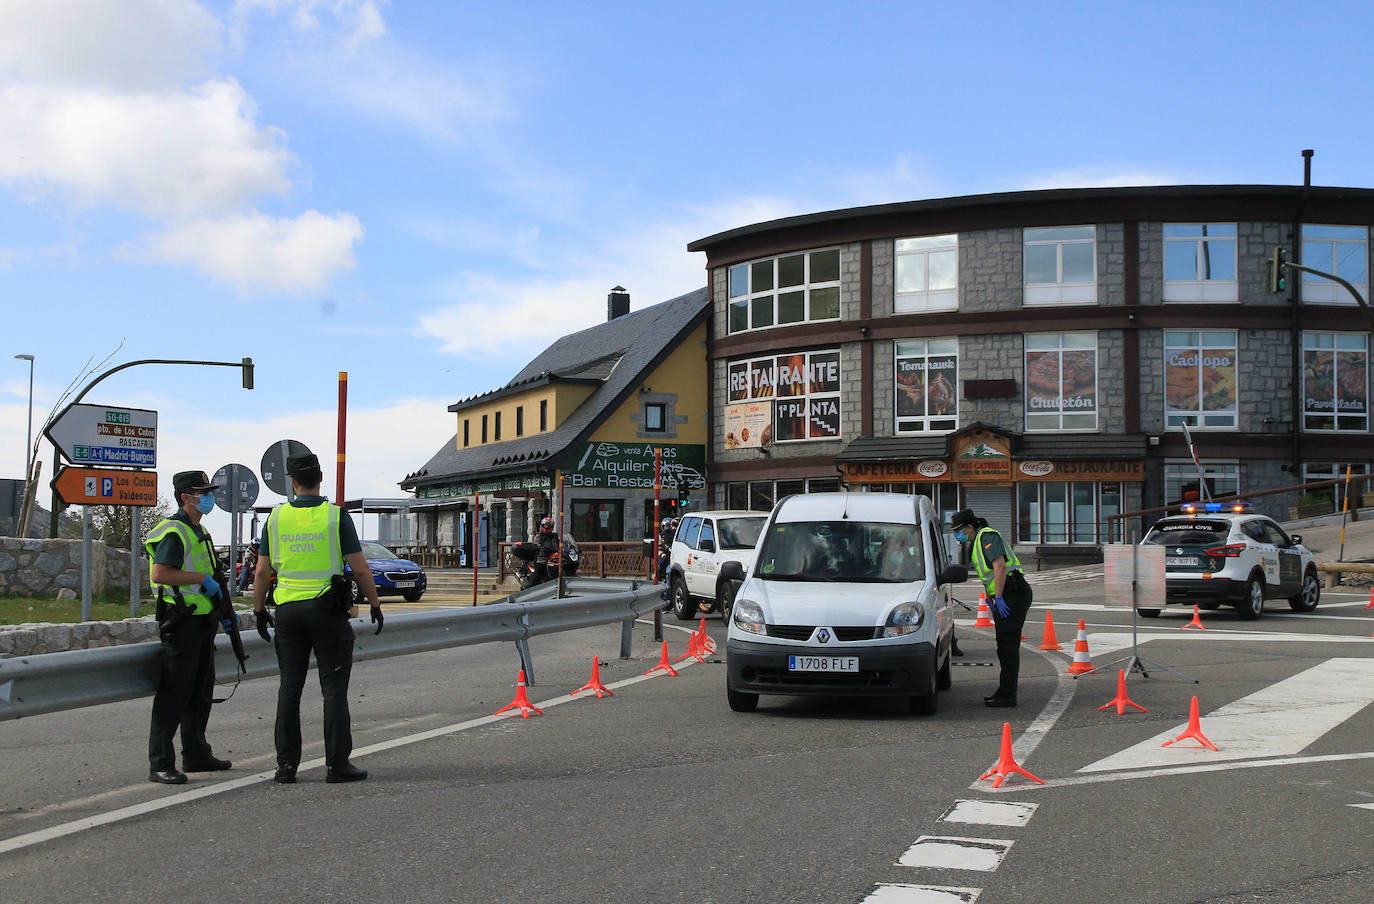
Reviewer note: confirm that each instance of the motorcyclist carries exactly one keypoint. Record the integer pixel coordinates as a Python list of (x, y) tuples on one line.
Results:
[(547, 541), (249, 565), (667, 530)]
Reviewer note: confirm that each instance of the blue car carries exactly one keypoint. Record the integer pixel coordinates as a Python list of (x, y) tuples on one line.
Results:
[(392, 574)]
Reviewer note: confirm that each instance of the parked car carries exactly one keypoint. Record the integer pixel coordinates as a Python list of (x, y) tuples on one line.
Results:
[(392, 574), (1222, 553), (849, 593), (704, 542)]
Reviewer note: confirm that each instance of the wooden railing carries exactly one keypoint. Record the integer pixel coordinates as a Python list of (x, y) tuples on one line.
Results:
[(621, 559)]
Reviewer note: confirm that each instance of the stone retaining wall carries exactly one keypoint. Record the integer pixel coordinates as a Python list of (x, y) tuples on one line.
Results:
[(33, 639), (41, 568)]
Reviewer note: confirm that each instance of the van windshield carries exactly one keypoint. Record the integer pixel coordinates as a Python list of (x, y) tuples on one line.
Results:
[(846, 551), (740, 533)]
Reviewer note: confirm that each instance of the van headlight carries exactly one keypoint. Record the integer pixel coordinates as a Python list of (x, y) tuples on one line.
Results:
[(748, 616), (905, 619)]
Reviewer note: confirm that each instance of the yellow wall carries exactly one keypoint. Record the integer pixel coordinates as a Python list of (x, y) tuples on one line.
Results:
[(684, 373), (563, 401)]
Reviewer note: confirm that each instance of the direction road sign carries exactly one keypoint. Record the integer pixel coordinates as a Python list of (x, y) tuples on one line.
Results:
[(274, 464), (238, 488), (104, 435), (100, 486)]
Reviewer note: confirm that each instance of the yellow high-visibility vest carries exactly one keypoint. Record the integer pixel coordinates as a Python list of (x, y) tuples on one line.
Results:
[(304, 546), (984, 570), (195, 556)]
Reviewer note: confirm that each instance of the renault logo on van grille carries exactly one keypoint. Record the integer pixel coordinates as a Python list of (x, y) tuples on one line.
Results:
[(823, 635)]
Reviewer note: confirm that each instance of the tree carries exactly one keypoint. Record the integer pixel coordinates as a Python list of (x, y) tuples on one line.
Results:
[(111, 522)]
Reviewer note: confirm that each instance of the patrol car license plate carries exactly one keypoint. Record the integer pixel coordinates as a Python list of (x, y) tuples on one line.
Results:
[(822, 663), (402, 585), (1179, 560)]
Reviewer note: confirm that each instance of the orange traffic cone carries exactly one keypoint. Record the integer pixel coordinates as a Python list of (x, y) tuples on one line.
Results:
[(1371, 599), (1082, 662), (1051, 641), (595, 684), (694, 649), (1194, 729), (708, 646), (1006, 764), (663, 663), (521, 700), (1122, 701), (984, 614), (1195, 623)]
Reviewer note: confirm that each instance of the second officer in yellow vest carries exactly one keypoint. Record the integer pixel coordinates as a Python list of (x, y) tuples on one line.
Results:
[(1009, 596), (307, 542)]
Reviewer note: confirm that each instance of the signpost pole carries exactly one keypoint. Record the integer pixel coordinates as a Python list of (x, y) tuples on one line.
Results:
[(85, 563), (135, 558), (232, 590), (477, 520)]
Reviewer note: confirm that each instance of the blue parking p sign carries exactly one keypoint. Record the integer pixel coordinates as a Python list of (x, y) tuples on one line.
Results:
[(107, 486)]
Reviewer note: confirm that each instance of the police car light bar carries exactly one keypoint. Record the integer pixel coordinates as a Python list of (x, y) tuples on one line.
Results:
[(1193, 507)]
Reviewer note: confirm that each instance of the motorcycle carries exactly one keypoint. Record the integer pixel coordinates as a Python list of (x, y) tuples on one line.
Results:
[(530, 574)]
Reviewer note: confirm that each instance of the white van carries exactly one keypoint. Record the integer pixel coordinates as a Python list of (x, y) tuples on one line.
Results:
[(849, 594)]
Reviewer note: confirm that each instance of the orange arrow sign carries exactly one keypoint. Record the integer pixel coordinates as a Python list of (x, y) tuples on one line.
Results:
[(100, 486)]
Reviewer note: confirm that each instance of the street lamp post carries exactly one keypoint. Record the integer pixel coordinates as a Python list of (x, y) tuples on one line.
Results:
[(28, 438)]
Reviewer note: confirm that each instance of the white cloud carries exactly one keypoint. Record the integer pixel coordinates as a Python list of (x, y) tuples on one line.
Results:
[(256, 251), (126, 44), (1099, 177), (161, 154)]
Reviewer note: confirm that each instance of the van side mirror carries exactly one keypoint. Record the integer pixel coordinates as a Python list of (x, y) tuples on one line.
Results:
[(952, 574), (1296, 538), (732, 571)]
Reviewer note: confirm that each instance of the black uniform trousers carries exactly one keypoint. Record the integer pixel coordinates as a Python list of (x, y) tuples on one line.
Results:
[(303, 627), (185, 688), (1017, 593)]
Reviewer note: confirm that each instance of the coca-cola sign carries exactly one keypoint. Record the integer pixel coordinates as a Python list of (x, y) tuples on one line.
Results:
[(932, 469), (1036, 468)]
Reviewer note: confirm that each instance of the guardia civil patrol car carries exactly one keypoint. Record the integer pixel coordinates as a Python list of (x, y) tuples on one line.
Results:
[(1223, 553)]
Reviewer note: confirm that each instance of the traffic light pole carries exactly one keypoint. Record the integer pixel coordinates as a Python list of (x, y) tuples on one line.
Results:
[(1359, 299)]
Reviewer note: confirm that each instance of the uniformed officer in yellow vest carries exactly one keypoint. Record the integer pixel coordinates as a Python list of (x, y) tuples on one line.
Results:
[(307, 543), (1009, 596), (182, 575)]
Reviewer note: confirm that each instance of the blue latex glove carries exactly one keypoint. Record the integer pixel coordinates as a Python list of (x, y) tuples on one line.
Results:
[(210, 586), (1000, 606), (230, 623)]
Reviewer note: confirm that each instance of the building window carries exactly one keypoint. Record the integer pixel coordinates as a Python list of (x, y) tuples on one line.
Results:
[(1200, 262), (484, 428), (926, 373), (655, 417), (598, 520), (783, 290), (1060, 512), (1061, 381), (927, 274), (1335, 381), (1334, 495), (1061, 265), (1181, 483), (803, 390), (466, 433), (543, 415), (520, 420), (1200, 378), (496, 427), (1342, 250)]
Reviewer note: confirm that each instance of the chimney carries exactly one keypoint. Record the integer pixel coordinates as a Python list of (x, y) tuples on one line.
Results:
[(617, 303)]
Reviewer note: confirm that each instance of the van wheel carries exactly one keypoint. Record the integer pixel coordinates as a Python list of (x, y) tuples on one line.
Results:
[(741, 702), (926, 704), (944, 678), (684, 607), (725, 601), (1252, 607), (1311, 592)]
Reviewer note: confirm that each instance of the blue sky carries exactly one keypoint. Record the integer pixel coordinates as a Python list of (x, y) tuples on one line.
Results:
[(424, 194)]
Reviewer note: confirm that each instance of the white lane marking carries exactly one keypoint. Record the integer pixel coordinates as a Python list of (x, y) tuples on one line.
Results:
[(1097, 779), (1282, 719), (51, 833), (1106, 642), (901, 893), (989, 813), (1364, 806), (952, 852)]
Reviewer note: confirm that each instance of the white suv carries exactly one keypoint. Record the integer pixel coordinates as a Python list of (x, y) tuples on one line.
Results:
[(704, 542), (1218, 553)]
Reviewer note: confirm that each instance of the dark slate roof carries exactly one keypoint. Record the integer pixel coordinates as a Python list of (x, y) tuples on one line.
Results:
[(1031, 446), (617, 355)]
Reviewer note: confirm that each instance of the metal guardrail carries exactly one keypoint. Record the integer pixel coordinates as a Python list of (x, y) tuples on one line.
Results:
[(51, 682)]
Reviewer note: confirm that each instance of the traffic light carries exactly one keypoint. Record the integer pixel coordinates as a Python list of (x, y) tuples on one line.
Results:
[(684, 496), (1276, 266)]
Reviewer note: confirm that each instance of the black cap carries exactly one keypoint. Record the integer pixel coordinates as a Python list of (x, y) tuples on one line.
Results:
[(962, 518), (302, 465), (192, 482)]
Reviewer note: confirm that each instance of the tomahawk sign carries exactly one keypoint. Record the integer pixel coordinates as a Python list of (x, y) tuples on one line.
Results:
[(101, 435)]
